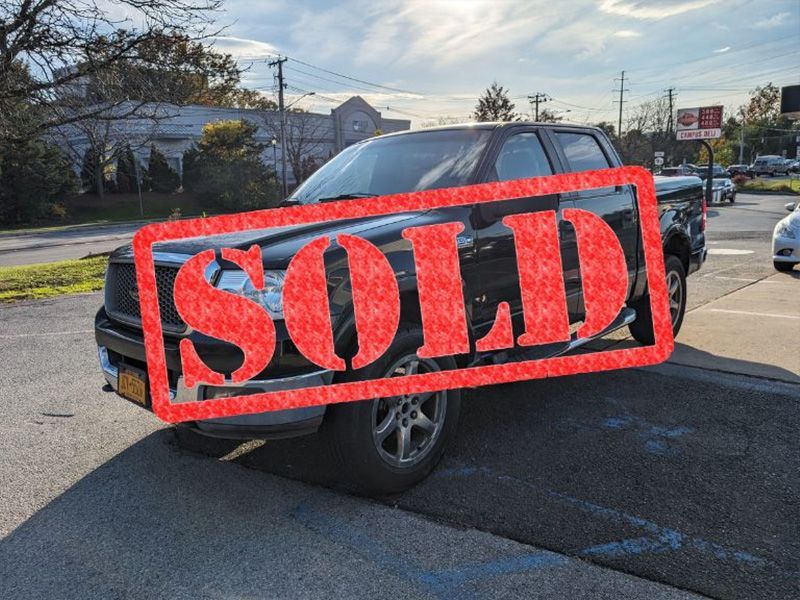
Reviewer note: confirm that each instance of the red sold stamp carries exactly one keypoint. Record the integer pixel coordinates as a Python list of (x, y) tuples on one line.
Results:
[(375, 296)]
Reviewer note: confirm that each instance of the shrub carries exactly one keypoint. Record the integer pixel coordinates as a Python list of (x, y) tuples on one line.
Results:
[(126, 171), (34, 176), (159, 175), (225, 169)]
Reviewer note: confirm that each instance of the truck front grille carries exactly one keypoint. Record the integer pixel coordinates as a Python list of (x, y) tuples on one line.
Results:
[(122, 295)]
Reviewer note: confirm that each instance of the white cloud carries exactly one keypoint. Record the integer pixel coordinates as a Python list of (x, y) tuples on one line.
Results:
[(722, 50), (773, 21), (241, 47), (627, 33), (644, 9)]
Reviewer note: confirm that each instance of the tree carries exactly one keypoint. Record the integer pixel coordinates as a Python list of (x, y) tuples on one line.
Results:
[(306, 135), (548, 116), (127, 172), (160, 177), (495, 105), (34, 176), (225, 168), (53, 34)]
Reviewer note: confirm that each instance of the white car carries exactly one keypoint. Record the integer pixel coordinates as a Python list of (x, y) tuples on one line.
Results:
[(786, 239)]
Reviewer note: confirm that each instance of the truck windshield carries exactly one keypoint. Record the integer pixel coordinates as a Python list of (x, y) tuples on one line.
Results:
[(397, 164)]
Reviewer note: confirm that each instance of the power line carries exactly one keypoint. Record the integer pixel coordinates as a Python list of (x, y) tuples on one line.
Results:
[(377, 85)]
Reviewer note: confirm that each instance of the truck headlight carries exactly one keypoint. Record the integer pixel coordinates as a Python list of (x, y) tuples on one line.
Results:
[(271, 297)]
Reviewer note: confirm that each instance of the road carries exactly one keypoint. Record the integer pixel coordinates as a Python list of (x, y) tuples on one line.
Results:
[(670, 482), (29, 247)]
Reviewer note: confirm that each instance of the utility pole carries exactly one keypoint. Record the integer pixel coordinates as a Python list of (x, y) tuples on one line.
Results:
[(282, 109), (622, 91), (671, 95), (535, 99), (741, 139)]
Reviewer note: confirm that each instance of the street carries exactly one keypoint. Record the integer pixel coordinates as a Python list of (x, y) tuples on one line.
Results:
[(30, 247), (676, 481)]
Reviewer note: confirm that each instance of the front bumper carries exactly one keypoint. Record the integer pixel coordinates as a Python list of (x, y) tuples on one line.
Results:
[(786, 249), (120, 346)]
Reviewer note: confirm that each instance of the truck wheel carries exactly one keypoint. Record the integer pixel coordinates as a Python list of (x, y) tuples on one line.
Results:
[(642, 328), (386, 445), (782, 266)]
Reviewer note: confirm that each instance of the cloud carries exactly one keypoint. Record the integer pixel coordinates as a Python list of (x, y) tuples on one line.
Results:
[(627, 33), (773, 21), (243, 48), (643, 9), (722, 50)]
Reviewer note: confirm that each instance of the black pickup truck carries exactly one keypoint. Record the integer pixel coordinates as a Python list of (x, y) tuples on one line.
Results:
[(388, 444)]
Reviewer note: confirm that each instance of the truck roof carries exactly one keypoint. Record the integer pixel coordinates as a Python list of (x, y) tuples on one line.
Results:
[(492, 125)]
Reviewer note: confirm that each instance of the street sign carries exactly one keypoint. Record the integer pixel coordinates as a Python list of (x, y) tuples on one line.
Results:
[(659, 161), (658, 154), (699, 123)]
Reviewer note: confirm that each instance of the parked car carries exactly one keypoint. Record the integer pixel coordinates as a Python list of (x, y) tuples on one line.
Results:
[(376, 451), (769, 165), (717, 171), (786, 240), (793, 166), (734, 170), (679, 171), (723, 190)]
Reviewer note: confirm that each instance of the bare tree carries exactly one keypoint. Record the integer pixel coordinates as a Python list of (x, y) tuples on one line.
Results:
[(62, 44), (306, 137)]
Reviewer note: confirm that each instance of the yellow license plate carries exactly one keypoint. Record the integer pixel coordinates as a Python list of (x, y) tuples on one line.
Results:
[(132, 387)]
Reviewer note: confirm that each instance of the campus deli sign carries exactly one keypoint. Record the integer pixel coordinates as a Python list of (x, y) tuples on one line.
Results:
[(376, 303), (700, 123)]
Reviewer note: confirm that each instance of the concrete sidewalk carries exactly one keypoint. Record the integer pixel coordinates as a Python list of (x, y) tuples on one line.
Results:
[(753, 331)]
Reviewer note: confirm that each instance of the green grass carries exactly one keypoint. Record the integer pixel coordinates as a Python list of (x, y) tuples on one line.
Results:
[(769, 185), (89, 209), (32, 282)]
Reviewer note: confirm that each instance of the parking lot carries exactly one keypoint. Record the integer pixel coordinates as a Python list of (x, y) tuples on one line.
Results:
[(676, 481)]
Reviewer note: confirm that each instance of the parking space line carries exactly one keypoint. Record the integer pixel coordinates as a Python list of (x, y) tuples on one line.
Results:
[(752, 314), (7, 336)]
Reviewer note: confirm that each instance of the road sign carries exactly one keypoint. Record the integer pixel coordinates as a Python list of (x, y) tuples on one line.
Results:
[(659, 161), (699, 123), (658, 154)]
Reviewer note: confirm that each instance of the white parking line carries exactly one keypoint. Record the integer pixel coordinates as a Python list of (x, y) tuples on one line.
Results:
[(44, 333), (752, 314)]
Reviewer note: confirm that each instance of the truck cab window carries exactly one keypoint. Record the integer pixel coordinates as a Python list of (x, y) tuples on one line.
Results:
[(522, 156), (583, 153)]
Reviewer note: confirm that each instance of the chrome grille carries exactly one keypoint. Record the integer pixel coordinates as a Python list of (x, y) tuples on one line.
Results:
[(122, 302)]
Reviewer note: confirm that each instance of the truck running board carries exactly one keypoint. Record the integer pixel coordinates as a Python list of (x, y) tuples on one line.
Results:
[(625, 317)]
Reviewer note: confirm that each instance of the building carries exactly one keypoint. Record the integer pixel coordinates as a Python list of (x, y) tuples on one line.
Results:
[(174, 129)]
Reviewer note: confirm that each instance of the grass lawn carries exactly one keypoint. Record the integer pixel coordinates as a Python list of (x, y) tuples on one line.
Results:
[(772, 185), (31, 282), (88, 209)]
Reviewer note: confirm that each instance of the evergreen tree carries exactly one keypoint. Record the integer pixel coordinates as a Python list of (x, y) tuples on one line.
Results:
[(126, 171), (495, 105), (160, 177)]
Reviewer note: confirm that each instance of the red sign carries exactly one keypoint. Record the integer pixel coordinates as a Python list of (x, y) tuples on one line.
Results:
[(240, 321), (701, 123)]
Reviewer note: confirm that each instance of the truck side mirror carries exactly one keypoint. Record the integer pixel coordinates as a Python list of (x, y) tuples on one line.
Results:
[(790, 206)]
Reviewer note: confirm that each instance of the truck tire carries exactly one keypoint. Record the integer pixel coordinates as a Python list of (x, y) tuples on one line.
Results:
[(782, 266), (386, 445), (642, 328)]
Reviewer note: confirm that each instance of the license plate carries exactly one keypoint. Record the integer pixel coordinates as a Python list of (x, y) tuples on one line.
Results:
[(133, 387)]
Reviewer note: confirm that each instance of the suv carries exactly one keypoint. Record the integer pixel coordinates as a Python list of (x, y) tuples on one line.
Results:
[(769, 165), (388, 444)]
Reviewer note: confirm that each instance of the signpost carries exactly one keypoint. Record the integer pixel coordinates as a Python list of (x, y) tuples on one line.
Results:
[(699, 124)]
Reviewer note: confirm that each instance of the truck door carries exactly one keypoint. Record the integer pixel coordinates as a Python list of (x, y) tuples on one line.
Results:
[(521, 155), (583, 151)]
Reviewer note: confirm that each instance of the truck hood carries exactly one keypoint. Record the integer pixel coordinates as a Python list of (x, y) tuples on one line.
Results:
[(278, 244)]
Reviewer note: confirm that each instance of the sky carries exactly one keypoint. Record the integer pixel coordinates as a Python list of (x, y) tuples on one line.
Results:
[(422, 59)]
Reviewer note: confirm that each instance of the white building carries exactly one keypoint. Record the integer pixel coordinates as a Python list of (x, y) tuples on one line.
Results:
[(177, 128)]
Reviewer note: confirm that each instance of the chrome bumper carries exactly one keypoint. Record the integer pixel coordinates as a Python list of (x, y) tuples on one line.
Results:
[(268, 424)]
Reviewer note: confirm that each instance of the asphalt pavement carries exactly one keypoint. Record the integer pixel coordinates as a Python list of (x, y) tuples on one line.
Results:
[(675, 481)]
